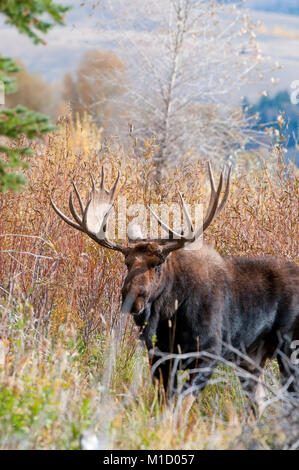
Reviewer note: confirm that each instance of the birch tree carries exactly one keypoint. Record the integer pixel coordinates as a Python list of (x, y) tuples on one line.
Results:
[(187, 61)]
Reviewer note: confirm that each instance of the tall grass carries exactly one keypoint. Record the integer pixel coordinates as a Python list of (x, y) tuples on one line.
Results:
[(69, 362)]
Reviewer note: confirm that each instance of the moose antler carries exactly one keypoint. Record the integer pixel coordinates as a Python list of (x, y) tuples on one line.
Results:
[(214, 209), (94, 216)]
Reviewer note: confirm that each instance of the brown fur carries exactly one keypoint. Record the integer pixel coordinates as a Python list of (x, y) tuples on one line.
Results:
[(195, 301), (251, 305)]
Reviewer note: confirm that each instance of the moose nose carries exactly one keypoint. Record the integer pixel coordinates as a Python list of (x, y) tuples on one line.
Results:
[(132, 304), (138, 305)]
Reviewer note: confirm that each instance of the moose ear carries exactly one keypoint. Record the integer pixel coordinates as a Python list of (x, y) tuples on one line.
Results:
[(134, 233)]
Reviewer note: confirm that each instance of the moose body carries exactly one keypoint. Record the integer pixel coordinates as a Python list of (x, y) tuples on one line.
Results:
[(198, 304), (214, 303)]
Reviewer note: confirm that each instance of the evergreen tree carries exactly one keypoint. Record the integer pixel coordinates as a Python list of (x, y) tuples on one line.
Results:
[(28, 18)]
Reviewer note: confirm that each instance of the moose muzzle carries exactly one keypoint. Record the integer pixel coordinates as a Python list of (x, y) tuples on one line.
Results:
[(136, 306), (133, 304)]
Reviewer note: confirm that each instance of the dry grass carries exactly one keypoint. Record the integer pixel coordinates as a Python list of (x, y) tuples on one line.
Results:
[(68, 360)]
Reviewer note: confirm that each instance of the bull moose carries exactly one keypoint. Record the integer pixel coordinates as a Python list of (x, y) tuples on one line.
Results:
[(192, 301)]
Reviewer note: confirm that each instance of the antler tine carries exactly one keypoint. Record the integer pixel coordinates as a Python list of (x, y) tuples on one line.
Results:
[(78, 197), (84, 219), (164, 226), (226, 194), (112, 192), (214, 209), (66, 219), (211, 213), (73, 210), (211, 176), (188, 218), (102, 178), (213, 190), (92, 182)]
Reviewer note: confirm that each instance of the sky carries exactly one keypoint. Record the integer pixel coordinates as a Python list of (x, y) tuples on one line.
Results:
[(278, 37)]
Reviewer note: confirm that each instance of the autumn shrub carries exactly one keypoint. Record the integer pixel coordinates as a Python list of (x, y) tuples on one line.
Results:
[(68, 355)]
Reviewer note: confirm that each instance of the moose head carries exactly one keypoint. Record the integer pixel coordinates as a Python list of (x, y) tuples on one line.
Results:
[(144, 257)]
